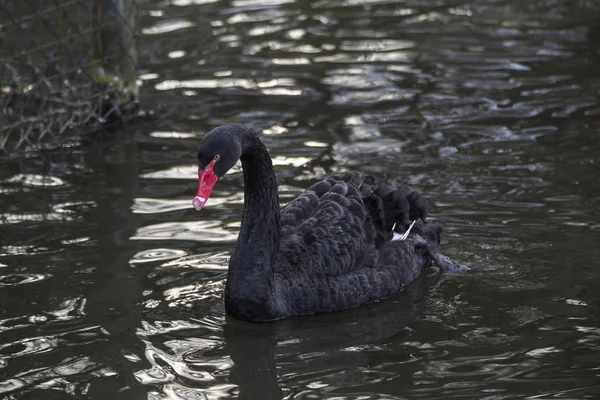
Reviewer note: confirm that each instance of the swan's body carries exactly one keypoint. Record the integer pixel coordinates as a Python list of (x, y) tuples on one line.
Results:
[(330, 249)]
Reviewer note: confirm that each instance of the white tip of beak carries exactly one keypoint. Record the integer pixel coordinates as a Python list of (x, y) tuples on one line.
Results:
[(199, 202)]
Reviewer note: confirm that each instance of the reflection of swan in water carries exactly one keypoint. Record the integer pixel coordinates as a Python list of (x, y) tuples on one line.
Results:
[(333, 348)]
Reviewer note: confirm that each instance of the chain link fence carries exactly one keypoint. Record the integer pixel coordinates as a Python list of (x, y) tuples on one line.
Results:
[(64, 64)]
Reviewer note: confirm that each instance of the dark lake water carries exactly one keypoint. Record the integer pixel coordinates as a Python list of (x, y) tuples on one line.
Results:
[(111, 285)]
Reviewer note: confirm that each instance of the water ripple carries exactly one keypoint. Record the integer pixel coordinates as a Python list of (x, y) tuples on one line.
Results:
[(53, 376), (152, 255), (32, 180), (210, 261), (21, 279), (200, 231)]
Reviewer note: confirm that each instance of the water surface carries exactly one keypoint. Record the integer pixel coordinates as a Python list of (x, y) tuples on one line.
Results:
[(111, 284)]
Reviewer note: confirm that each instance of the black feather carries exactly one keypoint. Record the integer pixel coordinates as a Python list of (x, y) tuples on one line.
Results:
[(329, 249)]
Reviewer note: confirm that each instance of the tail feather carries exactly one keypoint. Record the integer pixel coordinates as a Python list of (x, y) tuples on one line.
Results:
[(392, 209)]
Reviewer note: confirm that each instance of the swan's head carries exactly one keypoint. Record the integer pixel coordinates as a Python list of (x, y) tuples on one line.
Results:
[(219, 151)]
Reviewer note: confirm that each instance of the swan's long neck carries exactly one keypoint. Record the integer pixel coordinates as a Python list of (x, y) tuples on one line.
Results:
[(250, 275)]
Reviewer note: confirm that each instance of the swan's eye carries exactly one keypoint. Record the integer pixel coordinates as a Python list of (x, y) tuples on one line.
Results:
[(217, 157)]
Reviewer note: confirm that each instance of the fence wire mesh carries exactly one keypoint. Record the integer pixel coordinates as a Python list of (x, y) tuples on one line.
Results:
[(64, 64)]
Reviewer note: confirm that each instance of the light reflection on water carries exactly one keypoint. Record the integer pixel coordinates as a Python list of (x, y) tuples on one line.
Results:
[(111, 284)]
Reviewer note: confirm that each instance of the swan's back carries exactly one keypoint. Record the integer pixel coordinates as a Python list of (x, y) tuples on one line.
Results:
[(328, 228), (324, 229), (336, 250)]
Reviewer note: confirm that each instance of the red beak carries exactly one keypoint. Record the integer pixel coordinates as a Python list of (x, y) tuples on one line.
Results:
[(206, 181)]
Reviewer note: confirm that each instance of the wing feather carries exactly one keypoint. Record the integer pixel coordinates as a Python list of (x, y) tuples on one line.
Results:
[(336, 250)]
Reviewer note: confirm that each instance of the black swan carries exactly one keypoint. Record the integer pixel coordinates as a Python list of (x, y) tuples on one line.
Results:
[(336, 246)]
